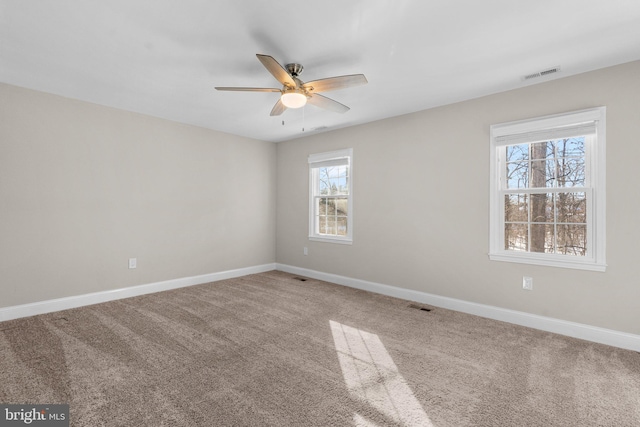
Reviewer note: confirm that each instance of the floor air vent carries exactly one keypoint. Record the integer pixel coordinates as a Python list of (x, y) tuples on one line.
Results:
[(419, 307)]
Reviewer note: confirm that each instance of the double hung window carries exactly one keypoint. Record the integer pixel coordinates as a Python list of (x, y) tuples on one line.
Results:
[(548, 192), (330, 199)]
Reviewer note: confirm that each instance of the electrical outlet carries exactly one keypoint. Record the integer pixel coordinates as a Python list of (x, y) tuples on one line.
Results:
[(305, 250), (527, 283), (133, 262)]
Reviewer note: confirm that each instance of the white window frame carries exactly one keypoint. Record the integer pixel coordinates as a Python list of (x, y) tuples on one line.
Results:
[(315, 162), (527, 131)]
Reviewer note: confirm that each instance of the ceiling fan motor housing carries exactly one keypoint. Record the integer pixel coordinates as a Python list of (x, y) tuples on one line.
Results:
[(294, 69), (295, 93)]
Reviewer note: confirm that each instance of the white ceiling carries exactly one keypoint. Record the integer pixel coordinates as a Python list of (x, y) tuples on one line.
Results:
[(164, 57)]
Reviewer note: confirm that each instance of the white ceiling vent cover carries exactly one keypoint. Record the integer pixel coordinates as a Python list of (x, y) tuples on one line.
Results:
[(541, 73)]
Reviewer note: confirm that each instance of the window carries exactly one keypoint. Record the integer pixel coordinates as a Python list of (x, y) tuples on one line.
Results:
[(330, 200), (547, 202)]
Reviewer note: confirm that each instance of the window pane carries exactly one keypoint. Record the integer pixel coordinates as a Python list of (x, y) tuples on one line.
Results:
[(342, 226), (570, 147), (516, 208), (517, 152), (571, 172), (333, 180), (518, 175), (323, 181), (343, 187), (572, 239), (322, 224), (542, 173), (338, 186), (332, 215), (542, 150), (333, 186), (542, 238), (326, 206), (515, 237), (330, 225), (327, 224), (572, 207), (341, 206), (324, 187), (541, 207)]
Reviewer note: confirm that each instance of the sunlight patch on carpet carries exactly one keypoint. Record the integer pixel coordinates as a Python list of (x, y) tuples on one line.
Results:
[(371, 376)]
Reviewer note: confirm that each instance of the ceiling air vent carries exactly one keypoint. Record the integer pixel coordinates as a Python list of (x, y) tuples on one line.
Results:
[(541, 73)]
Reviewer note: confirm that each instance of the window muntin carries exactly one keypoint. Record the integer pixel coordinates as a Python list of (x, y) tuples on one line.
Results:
[(331, 196), (551, 217), (547, 192), (332, 205)]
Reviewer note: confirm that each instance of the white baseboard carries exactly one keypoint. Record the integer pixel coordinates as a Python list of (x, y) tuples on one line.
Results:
[(562, 327), (49, 306)]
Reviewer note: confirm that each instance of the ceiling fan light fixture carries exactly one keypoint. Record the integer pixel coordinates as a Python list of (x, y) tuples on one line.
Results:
[(295, 93), (293, 98)]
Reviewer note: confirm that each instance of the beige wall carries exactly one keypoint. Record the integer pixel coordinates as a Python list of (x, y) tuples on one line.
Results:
[(84, 187), (421, 192)]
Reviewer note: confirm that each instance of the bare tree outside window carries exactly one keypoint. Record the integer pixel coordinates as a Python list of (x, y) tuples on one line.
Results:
[(545, 209), (332, 208), (548, 192), (330, 196)]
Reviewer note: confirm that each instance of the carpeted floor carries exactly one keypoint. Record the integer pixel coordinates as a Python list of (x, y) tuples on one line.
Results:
[(271, 350)]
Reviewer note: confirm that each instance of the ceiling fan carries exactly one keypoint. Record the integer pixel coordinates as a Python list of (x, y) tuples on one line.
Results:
[(295, 93)]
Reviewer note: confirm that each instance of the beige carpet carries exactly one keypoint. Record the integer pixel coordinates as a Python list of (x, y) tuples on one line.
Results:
[(271, 350)]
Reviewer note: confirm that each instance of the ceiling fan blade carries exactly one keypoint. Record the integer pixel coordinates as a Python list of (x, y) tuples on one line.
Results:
[(327, 103), (249, 89), (335, 83), (278, 108), (277, 70)]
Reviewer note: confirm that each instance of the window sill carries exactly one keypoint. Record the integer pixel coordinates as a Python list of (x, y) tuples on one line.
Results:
[(341, 241), (548, 261)]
